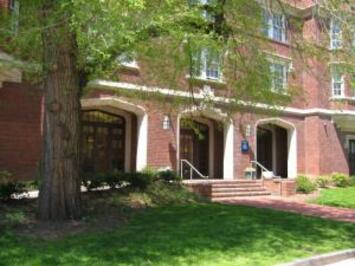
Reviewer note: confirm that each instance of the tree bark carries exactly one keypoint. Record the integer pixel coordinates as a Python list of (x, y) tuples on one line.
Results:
[(59, 197)]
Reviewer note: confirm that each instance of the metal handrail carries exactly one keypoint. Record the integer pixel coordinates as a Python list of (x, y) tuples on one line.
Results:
[(192, 168), (261, 166)]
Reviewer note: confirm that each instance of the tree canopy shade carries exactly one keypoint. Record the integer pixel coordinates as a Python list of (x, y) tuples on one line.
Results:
[(67, 43)]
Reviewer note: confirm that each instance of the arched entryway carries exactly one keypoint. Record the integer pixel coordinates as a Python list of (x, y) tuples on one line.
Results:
[(205, 139), (276, 147), (115, 132), (103, 142)]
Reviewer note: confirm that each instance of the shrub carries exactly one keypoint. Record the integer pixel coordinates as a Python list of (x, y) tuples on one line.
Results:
[(92, 181), (305, 185), (340, 180), (352, 181), (9, 187), (169, 175), (323, 181), (141, 180)]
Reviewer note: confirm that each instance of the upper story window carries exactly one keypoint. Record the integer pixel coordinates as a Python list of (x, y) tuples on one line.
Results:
[(275, 26), (337, 84), (336, 35), (128, 61), (207, 64), (206, 6), (14, 6), (279, 78)]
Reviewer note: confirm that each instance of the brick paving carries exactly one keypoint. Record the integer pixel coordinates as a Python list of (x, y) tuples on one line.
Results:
[(284, 204)]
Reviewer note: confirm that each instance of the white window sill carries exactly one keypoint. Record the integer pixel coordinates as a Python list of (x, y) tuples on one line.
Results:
[(342, 98), (207, 80), (134, 67)]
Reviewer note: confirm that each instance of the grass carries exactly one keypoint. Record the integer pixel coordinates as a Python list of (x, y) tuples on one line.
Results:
[(338, 197), (187, 233)]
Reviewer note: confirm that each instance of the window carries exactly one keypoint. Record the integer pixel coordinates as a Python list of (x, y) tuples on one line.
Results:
[(279, 72), (206, 64), (275, 26), (336, 38), (127, 60), (14, 6), (337, 84), (206, 7)]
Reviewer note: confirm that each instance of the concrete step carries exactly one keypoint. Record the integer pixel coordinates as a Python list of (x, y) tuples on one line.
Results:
[(236, 189), (239, 193), (236, 186)]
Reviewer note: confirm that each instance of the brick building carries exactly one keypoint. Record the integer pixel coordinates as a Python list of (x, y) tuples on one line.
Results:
[(315, 136)]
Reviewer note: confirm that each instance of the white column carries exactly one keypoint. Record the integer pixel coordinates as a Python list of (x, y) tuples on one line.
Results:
[(228, 155), (292, 153), (142, 142)]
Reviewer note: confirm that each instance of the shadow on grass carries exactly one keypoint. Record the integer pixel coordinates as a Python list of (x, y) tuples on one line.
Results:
[(198, 234)]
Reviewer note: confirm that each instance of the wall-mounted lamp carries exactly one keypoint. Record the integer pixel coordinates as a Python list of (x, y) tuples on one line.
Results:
[(248, 130), (166, 122)]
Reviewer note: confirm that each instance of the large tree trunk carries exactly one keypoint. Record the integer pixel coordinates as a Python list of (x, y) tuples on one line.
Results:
[(60, 189)]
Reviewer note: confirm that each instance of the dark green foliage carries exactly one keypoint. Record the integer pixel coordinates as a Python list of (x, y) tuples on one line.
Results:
[(352, 180), (141, 180), (169, 175), (324, 181), (9, 187), (340, 180), (305, 185)]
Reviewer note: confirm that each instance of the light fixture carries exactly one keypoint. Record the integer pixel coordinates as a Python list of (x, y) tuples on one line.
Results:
[(166, 122), (248, 130)]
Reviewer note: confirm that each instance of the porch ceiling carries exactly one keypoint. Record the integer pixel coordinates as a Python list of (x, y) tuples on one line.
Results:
[(345, 123), (8, 73)]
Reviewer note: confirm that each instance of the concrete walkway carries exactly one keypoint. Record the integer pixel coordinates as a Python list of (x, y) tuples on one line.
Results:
[(284, 204), (349, 262)]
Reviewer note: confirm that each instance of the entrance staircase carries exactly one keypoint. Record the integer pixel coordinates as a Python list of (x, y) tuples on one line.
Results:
[(228, 190), (222, 190)]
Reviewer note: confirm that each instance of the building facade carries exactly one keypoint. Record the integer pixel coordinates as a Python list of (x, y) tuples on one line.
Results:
[(314, 135)]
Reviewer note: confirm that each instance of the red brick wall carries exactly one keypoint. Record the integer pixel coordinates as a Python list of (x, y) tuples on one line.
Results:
[(4, 3), (20, 129)]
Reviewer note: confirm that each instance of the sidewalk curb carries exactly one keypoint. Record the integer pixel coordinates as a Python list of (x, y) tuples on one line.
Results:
[(324, 259)]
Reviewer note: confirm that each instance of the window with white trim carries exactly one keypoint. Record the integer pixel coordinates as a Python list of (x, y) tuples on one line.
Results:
[(336, 35), (207, 64), (127, 60), (205, 5), (279, 78), (275, 26), (337, 84)]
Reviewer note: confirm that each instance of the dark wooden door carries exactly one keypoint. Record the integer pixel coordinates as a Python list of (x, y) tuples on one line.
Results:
[(194, 147), (352, 157), (103, 142), (264, 149)]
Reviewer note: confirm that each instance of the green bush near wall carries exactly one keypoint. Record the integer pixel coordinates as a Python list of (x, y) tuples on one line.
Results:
[(340, 180), (9, 187), (139, 180), (305, 185)]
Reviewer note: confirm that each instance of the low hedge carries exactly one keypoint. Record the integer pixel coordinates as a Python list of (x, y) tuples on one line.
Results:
[(140, 180), (305, 185), (9, 187)]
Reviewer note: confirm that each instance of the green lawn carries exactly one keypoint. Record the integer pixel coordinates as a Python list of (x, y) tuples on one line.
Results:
[(193, 234), (339, 197)]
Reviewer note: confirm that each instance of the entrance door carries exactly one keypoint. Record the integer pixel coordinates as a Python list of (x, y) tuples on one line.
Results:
[(103, 142), (264, 149), (194, 147), (352, 157)]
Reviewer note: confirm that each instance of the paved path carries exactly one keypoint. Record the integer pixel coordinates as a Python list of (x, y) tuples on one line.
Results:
[(278, 203), (349, 262)]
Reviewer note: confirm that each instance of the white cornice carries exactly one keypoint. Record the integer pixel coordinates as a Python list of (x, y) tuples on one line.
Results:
[(105, 84)]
